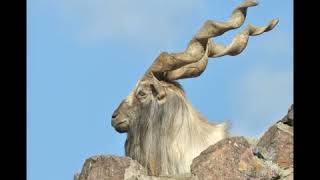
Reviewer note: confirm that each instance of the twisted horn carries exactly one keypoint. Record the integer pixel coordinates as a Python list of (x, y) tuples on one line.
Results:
[(193, 61)]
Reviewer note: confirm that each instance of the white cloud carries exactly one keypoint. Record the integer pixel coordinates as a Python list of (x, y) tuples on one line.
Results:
[(135, 21), (261, 99)]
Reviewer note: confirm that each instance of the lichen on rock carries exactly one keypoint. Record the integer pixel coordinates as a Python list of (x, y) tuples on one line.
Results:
[(234, 158)]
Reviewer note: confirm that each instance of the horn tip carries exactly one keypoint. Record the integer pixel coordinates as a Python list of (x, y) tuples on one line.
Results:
[(250, 3), (273, 23)]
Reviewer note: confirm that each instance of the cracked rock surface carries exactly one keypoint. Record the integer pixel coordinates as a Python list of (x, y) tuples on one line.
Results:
[(234, 158)]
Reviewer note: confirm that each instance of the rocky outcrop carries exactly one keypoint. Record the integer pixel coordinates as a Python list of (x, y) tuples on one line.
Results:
[(110, 167), (116, 168), (234, 158), (230, 159)]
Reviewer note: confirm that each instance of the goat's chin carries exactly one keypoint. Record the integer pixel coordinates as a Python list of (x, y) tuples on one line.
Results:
[(121, 130), (122, 127)]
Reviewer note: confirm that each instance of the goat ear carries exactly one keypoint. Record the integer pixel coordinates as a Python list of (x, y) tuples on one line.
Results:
[(157, 90)]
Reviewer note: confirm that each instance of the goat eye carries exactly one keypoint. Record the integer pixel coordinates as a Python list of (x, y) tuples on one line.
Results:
[(141, 93)]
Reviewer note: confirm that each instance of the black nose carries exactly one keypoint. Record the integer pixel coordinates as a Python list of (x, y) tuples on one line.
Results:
[(115, 114)]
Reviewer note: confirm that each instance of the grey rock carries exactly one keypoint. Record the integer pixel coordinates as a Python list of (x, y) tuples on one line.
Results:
[(234, 158), (118, 168), (277, 143), (288, 119), (231, 159), (110, 167)]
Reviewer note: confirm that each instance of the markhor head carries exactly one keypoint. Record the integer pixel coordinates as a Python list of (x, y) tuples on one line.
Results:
[(164, 131)]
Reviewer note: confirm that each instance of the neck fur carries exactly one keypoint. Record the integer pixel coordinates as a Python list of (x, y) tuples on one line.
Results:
[(167, 137)]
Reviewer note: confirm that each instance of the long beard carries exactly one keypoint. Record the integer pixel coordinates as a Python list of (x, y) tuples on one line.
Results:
[(150, 136), (165, 138)]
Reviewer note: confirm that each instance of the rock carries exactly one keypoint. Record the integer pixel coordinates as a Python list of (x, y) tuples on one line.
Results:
[(220, 160), (252, 141), (110, 167), (117, 168), (277, 143), (290, 114), (287, 174), (232, 159), (254, 166), (288, 119)]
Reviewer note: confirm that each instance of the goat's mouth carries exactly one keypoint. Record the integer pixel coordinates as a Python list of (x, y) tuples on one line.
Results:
[(120, 126)]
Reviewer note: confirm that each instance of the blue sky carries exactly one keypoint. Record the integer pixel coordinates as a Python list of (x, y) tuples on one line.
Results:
[(84, 57)]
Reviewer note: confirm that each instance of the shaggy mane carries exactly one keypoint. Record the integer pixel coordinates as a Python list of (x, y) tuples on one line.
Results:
[(166, 137)]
